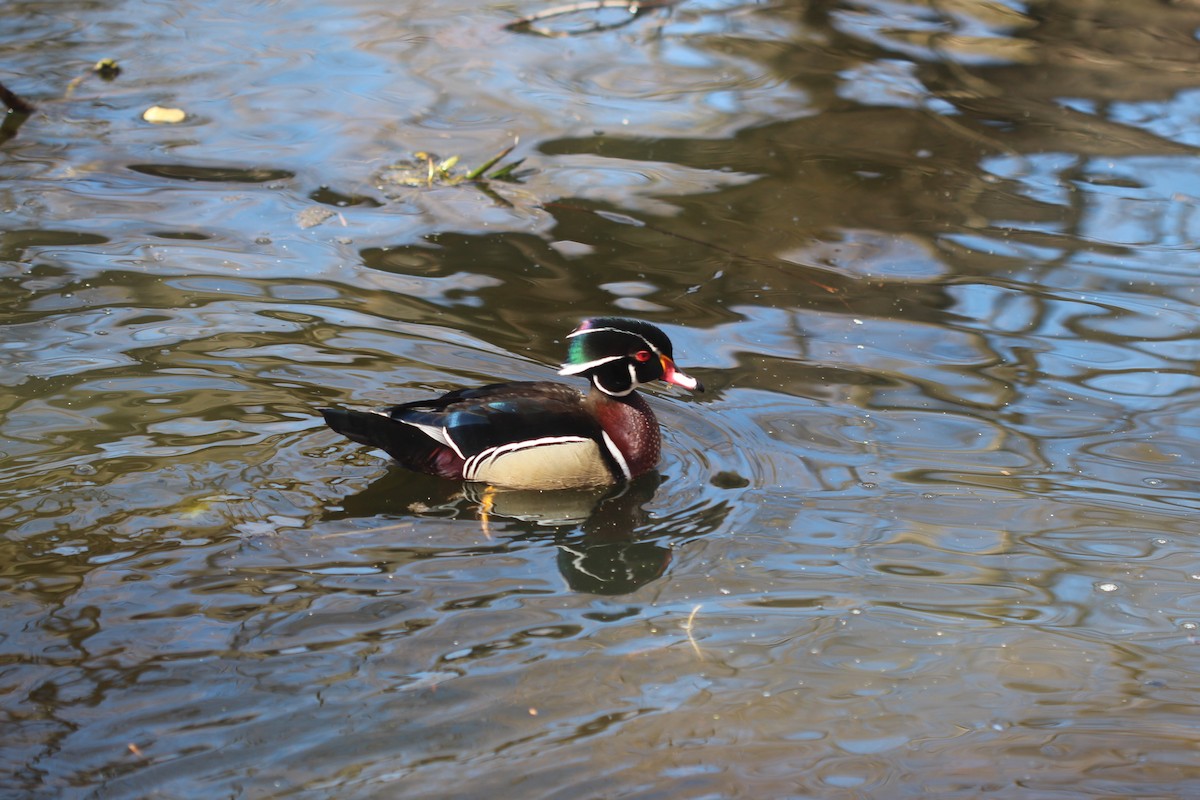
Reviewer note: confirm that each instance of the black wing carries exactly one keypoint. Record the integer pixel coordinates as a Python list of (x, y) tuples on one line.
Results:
[(474, 420)]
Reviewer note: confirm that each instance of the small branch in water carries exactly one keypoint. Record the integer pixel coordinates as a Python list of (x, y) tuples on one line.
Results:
[(10, 99), (399, 526)]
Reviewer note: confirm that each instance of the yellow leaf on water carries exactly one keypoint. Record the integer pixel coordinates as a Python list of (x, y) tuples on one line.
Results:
[(164, 116)]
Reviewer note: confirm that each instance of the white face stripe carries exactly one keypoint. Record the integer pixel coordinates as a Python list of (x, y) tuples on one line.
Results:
[(575, 369), (485, 458), (615, 452), (645, 341), (634, 383)]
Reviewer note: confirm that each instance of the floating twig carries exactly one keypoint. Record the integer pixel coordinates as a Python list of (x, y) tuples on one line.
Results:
[(399, 526), (687, 627)]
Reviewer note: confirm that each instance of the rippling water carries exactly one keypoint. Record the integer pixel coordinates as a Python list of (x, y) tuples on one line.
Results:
[(929, 532)]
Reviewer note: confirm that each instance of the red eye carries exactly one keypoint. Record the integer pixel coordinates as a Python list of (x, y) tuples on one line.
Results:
[(643, 355)]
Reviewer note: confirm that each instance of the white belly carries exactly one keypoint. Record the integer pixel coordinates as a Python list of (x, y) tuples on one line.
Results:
[(553, 463)]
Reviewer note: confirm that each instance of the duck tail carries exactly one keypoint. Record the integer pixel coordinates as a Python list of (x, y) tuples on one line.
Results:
[(411, 447)]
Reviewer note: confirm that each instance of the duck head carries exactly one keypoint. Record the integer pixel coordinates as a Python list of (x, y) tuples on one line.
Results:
[(618, 355)]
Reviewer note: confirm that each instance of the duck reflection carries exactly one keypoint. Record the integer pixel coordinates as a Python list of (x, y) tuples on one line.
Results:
[(603, 553), (608, 543)]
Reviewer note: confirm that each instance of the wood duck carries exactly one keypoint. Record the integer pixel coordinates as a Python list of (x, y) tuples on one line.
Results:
[(537, 434)]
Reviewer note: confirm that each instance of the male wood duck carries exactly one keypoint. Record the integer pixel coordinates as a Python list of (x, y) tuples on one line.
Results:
[(537, 434)]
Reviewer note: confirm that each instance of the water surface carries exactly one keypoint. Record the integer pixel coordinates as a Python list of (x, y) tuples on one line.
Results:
[(927, 534)]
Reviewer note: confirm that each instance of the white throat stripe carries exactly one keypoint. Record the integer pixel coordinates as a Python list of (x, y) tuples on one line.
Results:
[(617, 455)]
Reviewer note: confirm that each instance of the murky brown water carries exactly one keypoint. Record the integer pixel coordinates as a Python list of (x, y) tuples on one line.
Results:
[(931, 532)]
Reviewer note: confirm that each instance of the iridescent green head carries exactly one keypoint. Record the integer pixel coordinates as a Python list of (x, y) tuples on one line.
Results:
[(619, 354)]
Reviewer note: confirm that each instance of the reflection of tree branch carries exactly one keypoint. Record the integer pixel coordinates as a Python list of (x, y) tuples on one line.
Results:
[(633, 7), (12, 101), (735, 255), (19, 112)]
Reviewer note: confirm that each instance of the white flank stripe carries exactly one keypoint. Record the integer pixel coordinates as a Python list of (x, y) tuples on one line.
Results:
[(482, 459), (617, 455), (437, 434)]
